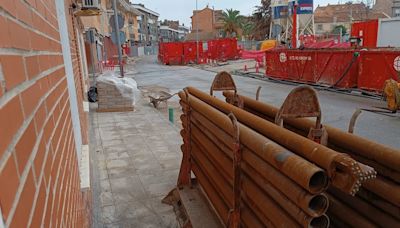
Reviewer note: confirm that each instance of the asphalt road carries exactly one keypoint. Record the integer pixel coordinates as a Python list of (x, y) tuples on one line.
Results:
[(337, 108)]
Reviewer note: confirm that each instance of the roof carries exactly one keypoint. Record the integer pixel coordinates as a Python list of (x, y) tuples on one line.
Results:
[(217, 13), (144, 9), (165, 27), (345, 13)]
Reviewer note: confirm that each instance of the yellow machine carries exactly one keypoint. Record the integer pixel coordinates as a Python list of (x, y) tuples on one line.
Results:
[(391, 92), (268, 44)]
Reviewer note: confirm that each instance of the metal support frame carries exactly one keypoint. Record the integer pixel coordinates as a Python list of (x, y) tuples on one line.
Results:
[(234, 216), (303, 102)]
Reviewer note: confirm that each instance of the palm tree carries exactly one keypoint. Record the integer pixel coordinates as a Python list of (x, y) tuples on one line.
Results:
[(262, 19), (232, 21), (248, 29)]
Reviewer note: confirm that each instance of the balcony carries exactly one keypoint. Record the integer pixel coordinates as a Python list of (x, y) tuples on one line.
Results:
[(88, 8)]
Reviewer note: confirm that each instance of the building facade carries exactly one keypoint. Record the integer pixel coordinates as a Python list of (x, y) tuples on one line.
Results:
[(208, 22), (98, 32), (168, 34), (43, 119), (326, 18), (183, 32), (396, 8), (148, 25)]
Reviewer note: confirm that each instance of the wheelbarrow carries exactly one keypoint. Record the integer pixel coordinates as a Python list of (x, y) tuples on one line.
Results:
[(163, 97)]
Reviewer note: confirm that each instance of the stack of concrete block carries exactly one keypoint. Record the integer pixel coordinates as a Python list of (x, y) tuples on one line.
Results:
[(115, 96)]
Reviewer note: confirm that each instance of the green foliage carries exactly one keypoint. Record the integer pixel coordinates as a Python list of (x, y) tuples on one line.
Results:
[(232, 21)]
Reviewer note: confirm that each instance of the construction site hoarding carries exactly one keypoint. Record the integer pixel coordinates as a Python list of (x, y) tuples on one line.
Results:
[(376, 67), (328, 67), (345, 68)]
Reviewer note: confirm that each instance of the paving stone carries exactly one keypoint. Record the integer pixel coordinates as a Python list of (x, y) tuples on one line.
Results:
[(117, 163), (108, 214)]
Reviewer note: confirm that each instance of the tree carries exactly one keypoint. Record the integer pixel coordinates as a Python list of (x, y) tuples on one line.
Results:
[(248, 29), (232, 21), (262, 20)]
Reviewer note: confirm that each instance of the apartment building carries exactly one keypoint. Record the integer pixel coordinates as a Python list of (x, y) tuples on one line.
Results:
[(326, 18), (208, 22), (168, 34), (98, 30), (44, 159), (148, 25)]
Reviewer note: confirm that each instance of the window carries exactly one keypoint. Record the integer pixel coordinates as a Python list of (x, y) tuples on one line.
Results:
[(397, 12), (319, 27)]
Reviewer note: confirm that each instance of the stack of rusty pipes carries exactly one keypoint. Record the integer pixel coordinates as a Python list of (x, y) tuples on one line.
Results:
[(344, 172), (378, 201), (271, 191)]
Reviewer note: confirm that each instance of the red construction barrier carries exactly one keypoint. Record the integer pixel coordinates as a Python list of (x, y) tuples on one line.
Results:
[(171, 53), (256, 55), (346, 68), (377, 66), (223, 49), (328, 67), (190, 52)]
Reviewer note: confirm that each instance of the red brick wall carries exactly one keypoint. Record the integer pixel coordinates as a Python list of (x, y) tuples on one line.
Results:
[(39, 174)]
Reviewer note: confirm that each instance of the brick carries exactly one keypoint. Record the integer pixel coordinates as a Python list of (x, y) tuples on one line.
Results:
[(31, 97), (13, 70), (11, 110), (32, 66), (40, 117), (46, 222), (24, 12), (24, 147), (20, 37), (21, 215), (9, 6), (5, 39), (8, 175), (47, 167), (39, 208), (39, 159), (48, 130)]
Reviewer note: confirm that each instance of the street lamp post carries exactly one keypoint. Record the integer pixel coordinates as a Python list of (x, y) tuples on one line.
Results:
[(197, 34), (116, 30)]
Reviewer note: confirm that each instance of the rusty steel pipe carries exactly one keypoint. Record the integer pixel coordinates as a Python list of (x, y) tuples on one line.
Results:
[(216, 156), (255, 211), (217, 203), (312, 178), (386, 189), (315, 205), (344, 213), (380, 203), (387, 156), (268, 207), (213, 175), (365, 209), (250, 220)]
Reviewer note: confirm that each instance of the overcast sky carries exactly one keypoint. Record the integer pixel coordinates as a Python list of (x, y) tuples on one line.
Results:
[(182, 9)]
